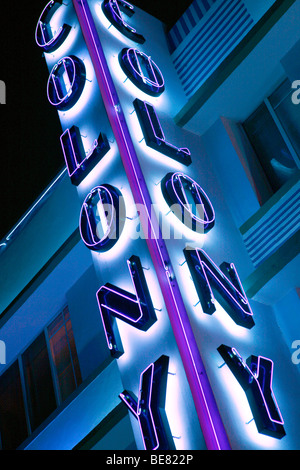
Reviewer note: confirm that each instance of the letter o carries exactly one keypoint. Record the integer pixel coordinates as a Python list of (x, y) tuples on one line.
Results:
[(66, 82), (102, 218), (184, 196), (134, 64)]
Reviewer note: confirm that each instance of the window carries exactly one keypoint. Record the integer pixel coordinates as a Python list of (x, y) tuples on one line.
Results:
[(44, 375), (38, 381), (64, 354), (274, 133), (13, 427)]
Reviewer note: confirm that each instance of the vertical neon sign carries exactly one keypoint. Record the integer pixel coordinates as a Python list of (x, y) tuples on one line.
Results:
[(65, 86), (208, 413)]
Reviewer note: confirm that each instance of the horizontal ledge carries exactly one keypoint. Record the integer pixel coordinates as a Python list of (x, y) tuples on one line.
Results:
[(272, 266), (263, 210), (40, 276), (233, 60)]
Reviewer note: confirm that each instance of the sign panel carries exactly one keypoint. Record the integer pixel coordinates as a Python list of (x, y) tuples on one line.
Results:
[(155, 291)]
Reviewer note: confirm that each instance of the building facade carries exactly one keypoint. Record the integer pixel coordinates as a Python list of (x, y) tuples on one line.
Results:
[(150, 297)]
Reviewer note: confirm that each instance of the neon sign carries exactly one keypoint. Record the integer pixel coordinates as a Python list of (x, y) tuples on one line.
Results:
[(113, 10), (209, 416), (142, 71), (43, 34), (135, 309), (102, 217), (226, 285), (149, 408), (100, 225), (78, 162), (154, 135), (255, 376), (66, 82)]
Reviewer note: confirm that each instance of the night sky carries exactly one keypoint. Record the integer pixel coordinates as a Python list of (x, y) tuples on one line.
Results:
[(30, 151)]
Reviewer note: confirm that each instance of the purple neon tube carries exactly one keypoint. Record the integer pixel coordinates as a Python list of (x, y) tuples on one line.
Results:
[(209, 417)]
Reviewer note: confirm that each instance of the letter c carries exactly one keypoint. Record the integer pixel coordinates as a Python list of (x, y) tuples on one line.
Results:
[(43, 34)]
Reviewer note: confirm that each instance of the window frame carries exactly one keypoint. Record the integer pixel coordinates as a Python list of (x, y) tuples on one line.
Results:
[(19, 359), (266, 192), (282, 131), (57, 389)]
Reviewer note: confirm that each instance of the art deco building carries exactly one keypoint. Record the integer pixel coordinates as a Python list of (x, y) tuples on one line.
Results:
[(150, 298)]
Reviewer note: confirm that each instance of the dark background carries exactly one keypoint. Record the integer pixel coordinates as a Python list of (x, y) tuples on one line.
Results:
[(30, 152)]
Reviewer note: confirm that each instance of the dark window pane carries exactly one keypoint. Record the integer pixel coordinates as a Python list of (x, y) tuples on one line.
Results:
[(72, 346), (13, 426), (270, 148), (64, 354), (38, 380)]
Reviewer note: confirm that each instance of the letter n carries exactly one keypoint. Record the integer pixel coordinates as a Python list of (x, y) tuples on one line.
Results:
[(135, 309), (222, 282)]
